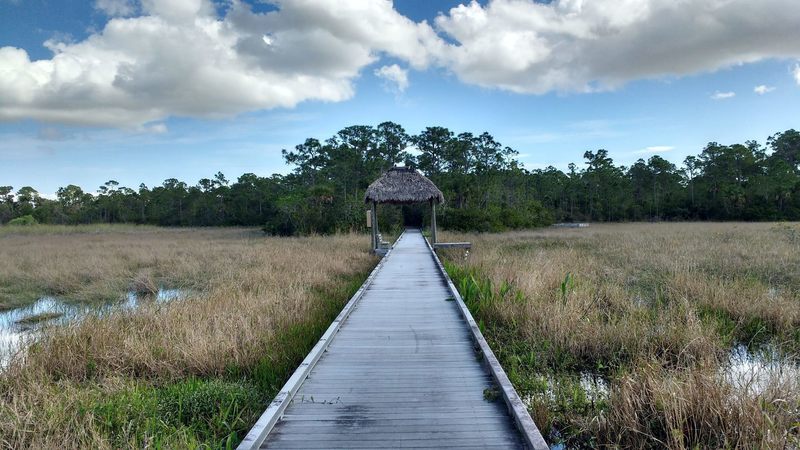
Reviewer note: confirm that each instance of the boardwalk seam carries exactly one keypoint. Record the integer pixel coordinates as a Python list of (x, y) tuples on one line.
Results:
[(525, 424), (256, 436)]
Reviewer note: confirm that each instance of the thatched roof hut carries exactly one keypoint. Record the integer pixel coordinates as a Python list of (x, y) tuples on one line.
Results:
[(402, 185)]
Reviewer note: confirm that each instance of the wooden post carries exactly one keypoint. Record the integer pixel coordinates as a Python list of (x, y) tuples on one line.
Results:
[(374, 228), (433, 222)]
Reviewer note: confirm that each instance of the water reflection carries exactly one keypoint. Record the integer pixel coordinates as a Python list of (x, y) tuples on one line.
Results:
[(163, 296), (20, 326), (595, 388), (754, 372), (751, 372)]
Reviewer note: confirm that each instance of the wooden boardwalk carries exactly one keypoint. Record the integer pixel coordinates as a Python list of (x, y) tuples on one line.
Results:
[(403, 366)]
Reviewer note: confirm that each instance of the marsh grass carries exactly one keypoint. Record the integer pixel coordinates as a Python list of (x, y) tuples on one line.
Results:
[(94, 263), (654, 309), (190, 373)]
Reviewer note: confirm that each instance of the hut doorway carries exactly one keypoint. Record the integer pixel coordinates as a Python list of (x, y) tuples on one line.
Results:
[(413, 215), (408, 188)]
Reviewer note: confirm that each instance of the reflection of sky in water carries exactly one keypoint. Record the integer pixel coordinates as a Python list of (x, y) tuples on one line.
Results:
[(163, 296), (14, 335), (753, 373), (750, 373), (594, 386)]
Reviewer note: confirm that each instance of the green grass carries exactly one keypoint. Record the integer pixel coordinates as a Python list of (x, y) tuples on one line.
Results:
[(204, 413), (754, 332)]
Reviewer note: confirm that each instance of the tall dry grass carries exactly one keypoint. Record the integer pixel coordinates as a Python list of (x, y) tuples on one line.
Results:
[(100, 263), (655, 308), (693, 407), (249, 293)]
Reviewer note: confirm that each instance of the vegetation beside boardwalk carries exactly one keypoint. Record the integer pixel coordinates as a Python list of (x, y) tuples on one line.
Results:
[(192, 373), (655, 311)]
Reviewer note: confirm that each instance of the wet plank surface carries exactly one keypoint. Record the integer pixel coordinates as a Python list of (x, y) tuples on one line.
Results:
[(402, 371)]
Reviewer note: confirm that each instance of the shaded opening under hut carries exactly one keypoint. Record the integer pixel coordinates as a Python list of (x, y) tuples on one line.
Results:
[(400, 186)]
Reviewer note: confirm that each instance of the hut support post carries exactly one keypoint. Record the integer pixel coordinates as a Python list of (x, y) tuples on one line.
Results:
[(374, 227), (433, 222)]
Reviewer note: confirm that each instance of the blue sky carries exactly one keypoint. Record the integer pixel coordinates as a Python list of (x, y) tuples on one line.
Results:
[(551, 92)]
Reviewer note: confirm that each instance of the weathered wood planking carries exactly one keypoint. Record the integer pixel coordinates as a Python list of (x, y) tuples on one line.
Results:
[(402, 368)]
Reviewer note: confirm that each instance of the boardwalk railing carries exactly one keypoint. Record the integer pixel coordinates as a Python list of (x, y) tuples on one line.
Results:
[(398, 368), (525, 424)]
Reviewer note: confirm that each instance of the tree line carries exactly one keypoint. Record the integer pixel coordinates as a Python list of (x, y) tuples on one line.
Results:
[(485, 186)]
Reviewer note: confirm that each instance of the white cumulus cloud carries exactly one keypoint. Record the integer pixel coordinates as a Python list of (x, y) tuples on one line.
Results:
[(763, 89), (160, 58), (179, 58), (723, 95), (796, 73), (577, 45), (395, 76)]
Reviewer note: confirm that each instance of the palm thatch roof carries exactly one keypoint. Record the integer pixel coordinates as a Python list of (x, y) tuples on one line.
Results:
[(403, 185)]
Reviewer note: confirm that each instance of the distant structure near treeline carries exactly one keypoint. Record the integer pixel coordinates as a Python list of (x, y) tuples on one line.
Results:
[(571, 225), (400, 186)]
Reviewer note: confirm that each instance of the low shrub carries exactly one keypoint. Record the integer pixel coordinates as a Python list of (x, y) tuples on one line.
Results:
[(23, 221), (530, 214), (471, 219)]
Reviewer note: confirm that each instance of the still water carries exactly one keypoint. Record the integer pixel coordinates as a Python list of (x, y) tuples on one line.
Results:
[(20, 326), (751, 373)]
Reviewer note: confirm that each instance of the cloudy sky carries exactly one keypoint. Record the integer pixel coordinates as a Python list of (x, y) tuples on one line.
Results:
[(143, 90)]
